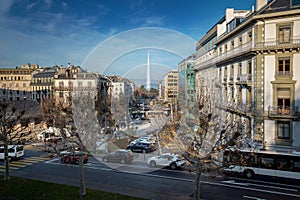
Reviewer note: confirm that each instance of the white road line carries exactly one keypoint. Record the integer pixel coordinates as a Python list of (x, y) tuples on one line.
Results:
[(252, 189), (274, 187), (264, 182), (256, 198), (252, 184), (53, 160)]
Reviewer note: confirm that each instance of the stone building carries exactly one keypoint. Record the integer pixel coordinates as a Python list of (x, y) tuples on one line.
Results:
[(248, 60)]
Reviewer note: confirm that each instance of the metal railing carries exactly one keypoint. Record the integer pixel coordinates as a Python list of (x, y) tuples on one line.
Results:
[(244, 78), (281, 111), (284, 73), (248, 47), (277, 44)]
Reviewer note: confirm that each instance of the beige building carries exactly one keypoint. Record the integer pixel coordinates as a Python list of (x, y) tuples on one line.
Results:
[(248, 60), (15, 83), (73, 79), (171, 86)]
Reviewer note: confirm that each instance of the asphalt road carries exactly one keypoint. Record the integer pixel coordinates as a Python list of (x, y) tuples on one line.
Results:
[(141, 181)]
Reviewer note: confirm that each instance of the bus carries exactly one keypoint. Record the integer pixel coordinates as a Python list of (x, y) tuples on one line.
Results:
[(14, 151), (262, 163)]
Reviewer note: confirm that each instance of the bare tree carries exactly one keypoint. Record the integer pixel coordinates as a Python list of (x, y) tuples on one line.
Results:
[(204, 133), (14, 119)]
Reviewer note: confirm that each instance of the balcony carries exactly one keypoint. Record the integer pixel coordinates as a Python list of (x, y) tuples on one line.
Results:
[(245, 49), (283, 112), (239, 108), (284, 74), (276, 45), (244, 79)]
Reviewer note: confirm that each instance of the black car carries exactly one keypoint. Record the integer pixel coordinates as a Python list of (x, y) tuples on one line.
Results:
[(121, 156), (141, 147)]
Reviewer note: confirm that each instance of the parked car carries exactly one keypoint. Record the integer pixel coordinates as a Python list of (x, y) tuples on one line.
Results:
[(141, 147), (122, 156), (72, 157), (173, 161)]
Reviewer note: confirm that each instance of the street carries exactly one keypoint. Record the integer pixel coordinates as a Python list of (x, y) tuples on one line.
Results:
[(137, 179)]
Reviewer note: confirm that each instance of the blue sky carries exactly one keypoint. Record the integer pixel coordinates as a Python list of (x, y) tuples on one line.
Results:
[(55, 32)]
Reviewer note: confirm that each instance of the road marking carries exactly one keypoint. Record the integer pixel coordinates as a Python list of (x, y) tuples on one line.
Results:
[(264, 182), (24, 162), (256, 198), (3, 167), (37, 159), (53, 160), (235, 183), (252, 189), (17, 165), (252, 184)]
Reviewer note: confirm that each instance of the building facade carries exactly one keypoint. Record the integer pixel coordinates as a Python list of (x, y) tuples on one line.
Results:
[(42, 85), (249, 61), (171, 86), (15, 83)]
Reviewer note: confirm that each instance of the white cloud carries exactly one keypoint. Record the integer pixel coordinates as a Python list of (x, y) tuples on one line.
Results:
[(31, 5), (153, 21)]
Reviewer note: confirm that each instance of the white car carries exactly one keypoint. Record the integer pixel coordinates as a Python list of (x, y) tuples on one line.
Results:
[(167, 160)]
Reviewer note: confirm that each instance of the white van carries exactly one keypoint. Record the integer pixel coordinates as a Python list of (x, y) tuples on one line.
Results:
[(14, 151)]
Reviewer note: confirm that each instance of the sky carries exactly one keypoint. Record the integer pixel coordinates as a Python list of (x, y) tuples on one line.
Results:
[(56, 32)]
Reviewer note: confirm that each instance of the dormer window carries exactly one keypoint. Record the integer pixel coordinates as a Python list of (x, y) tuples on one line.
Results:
[(233, 24), (295, 2)]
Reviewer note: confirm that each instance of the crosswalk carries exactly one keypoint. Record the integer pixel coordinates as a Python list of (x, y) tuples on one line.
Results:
[(17, 164)]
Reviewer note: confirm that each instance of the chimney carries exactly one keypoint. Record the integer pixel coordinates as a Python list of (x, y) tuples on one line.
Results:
[(252, 8), (260, 4)]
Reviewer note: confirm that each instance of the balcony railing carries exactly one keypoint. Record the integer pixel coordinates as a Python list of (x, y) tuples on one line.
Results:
[(248, 47), (244, 78), (275, 44), (284, 74), (283, 112), (235, 107)]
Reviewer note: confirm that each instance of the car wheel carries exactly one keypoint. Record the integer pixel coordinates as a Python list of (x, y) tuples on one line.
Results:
[(122, 161), (173, 166), (153, 163), (248, 173), (144, 151), (105, 160), (63, 161), (77, 162)]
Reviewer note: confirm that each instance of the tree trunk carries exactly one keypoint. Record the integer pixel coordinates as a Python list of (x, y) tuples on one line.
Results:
[(197, 181), (6, 157), (82, 188)]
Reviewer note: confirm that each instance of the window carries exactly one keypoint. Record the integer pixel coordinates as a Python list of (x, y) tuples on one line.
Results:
[(267, 162), (249, 36), (295, 2), (283, 130), (249, 67), (284, 34), (232, 44), (61, 85), (240, 41), (283, 66), (283, 100)]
